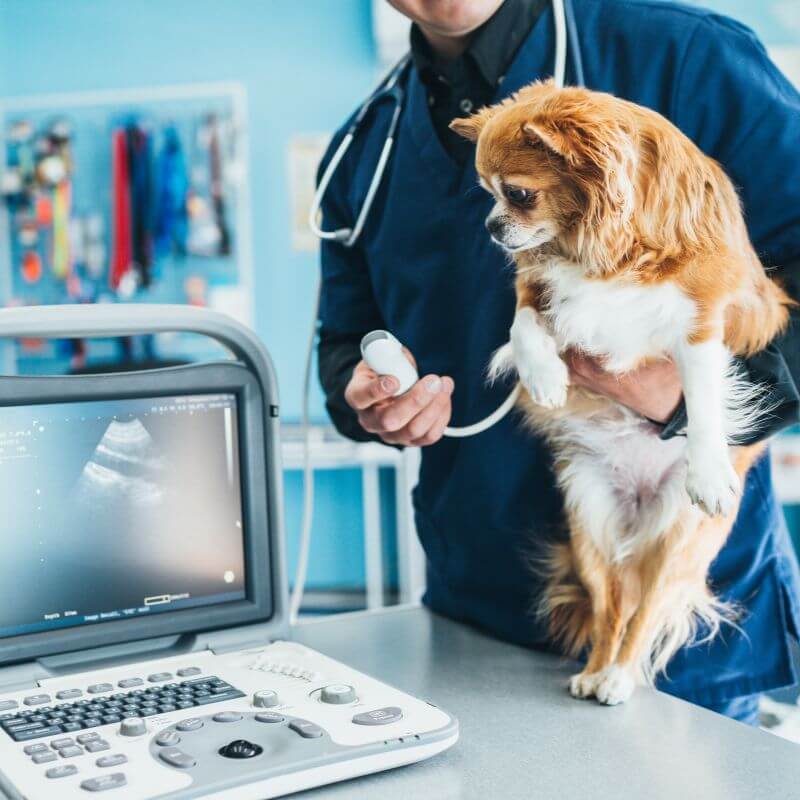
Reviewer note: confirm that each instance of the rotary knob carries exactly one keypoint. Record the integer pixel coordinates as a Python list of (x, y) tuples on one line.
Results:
[(266, 698), (132, 726), (338, 694)]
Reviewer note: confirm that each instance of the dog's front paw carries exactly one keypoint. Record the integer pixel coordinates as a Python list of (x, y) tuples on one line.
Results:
[(615, 686), (584, 684), (546, 379), (712, 482)]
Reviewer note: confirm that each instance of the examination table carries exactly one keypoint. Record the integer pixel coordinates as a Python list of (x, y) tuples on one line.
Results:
[(523, 736)]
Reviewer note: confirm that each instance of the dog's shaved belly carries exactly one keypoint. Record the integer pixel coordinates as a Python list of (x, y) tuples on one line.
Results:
[(625, 484)]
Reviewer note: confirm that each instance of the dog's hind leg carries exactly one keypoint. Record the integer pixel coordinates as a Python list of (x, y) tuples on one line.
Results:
[(604, 586)]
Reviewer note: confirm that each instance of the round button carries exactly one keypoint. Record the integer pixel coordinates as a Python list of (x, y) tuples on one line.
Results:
[(227, 716), (338, 694), (266, 698), (167, 739), (466, 105), (132, 726)]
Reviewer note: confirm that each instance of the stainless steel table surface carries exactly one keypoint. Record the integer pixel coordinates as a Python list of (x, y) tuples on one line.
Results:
[(523, 736)]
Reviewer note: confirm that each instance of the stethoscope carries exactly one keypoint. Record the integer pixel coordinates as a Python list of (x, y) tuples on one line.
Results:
[(392, 88)]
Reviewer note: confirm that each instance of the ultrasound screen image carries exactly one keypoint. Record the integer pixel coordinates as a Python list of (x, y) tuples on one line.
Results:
[(118, 509)]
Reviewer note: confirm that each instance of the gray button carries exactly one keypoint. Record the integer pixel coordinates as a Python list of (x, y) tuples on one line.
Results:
[(308, 730), (112, 761), (191, 724), (112, 781), (39, 747), (167, 739), (188, 671), (97, 745), (57, 744), (132, 726), (43, 758), (266, 698), (7, 705), (177, 758), (269, 716), (466, 105), (381, 716), (71, 751), (157, 677), (87, 737), (227, 716), (36, 699), (68, 694), (61, 771), (338, 693), (127, 683), (97, 688)]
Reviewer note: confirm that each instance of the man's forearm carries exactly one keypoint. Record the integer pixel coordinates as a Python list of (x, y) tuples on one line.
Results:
[(338, 355), (776, 369)]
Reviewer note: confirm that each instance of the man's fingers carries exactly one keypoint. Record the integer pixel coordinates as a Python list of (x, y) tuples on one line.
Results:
[(366, 388), (428, 426), (396, 415)]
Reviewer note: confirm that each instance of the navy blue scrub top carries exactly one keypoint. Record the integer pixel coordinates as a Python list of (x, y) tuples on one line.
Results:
[(425, 269)]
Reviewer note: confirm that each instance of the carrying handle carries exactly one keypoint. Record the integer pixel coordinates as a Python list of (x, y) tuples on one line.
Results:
[(84, 321)]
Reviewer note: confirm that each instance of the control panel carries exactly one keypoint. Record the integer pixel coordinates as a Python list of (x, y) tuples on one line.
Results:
[(251, 724)]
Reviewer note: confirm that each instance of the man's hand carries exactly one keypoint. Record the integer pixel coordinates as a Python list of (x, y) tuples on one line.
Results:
[(654, 390), (416, 418)]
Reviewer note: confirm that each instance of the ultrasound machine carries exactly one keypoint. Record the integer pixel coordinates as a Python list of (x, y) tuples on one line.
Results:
[(145, 650)]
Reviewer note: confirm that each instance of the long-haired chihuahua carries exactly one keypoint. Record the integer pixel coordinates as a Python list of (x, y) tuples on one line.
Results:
[(629, 245)]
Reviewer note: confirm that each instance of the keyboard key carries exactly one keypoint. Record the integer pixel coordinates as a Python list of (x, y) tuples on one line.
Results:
[(7, 705), (68, 694), (92, 722), (67, 741), (30, 749), (112, 761), (129, 683), (71, 751), (87, 737), (71, 727), (61, 771), (35, 732), (99, 688), (44, 758), (104, 782), (227, 716), (308, 730), (157, 677), (177, 758), (269, 716), (187, 671), (108, 719), (218, 698), (167, 739), (97, 745), (190, 724), (36, 699), (183, 704)]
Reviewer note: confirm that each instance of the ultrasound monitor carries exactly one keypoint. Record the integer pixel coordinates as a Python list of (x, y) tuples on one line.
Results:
[(117, 509)]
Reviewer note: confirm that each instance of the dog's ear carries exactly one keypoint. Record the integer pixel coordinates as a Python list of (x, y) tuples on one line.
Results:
[(471, 127), (558, 136)]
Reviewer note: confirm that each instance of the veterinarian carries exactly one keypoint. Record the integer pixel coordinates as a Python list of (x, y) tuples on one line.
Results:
[(424, 268)]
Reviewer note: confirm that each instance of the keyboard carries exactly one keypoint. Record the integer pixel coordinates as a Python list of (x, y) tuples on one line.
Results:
[(105, 706), (246, 725)]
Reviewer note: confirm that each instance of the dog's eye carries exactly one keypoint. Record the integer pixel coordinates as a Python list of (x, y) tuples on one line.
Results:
[(520, 197)]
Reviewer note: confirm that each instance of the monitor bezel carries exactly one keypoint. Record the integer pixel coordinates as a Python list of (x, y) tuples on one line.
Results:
[(258, 502)]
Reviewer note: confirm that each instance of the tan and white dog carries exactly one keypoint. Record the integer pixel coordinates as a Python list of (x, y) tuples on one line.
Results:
[(629, 245)]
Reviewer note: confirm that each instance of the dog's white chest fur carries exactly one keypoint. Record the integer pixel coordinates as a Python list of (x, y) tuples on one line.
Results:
[(616, 319)]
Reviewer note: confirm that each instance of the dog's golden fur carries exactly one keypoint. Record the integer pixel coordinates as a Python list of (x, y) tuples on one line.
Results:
[(628, 198)]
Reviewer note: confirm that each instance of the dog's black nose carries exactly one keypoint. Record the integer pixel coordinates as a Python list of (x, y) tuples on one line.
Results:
[(494, 226)]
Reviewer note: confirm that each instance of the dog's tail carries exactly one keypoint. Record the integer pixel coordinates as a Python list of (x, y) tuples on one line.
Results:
[(564, 604), (693, 619)]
